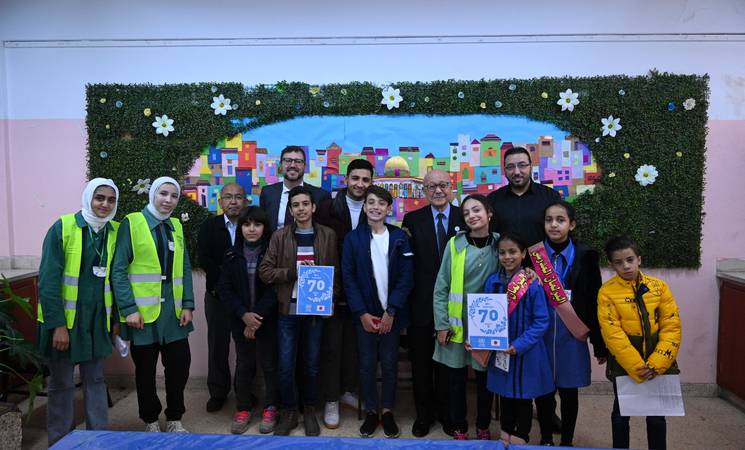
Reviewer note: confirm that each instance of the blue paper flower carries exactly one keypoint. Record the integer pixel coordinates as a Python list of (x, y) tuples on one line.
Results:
[(119, 104), (461, 94), (621, 92), (671, 106), (512, 87), (497, 104), (326, 104), (104, 154)]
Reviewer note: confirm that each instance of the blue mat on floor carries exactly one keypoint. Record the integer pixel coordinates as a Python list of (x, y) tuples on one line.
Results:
[(115, 440)]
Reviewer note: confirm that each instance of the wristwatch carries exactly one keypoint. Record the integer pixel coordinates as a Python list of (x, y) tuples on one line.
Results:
[(391, 312)]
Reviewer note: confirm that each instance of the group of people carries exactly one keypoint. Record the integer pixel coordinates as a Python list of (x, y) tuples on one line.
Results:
[(99, 279)]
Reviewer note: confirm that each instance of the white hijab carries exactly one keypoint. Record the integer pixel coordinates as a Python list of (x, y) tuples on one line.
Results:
[(90, 217), (154, 188)]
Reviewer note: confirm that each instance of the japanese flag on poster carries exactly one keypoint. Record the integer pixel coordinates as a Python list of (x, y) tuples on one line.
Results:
[(487, 321), (315, 290)]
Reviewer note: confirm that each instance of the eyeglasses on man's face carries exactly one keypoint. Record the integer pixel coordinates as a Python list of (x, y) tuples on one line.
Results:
[(290, 161), (521, 166), (433, 186), (230, 197)]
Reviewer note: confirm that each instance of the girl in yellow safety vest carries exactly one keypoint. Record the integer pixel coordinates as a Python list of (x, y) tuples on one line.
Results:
[(151, 278), (74, 311)]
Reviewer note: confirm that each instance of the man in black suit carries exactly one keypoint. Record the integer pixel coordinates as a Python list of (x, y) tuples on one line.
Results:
[(430, 228), (216, 235), (273, 198)]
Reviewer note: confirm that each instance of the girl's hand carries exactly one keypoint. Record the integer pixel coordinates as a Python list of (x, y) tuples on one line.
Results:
[(134, 320), (511, 351), (61, 339), (186, 316), (443, 337), (467, 346)]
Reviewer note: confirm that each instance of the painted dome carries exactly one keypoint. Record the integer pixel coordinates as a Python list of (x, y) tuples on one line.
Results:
[(396, 166)]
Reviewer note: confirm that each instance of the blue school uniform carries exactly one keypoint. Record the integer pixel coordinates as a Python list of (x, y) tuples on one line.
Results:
[(529, 375)]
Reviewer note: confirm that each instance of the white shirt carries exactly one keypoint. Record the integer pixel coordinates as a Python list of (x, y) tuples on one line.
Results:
[(283, 200), (231, 229), (355, 209), (379, 254)]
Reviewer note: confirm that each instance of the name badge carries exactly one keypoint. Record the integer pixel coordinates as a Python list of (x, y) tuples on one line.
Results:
[(171, 246), (99, 271)]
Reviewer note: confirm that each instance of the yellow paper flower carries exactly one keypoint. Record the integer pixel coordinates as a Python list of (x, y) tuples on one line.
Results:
[(147, 112), (314, 90), (108, 126), (258, 102), (102, 100), (626, 155), (612, 174), (483, 105), (544, 94), (679, 154)]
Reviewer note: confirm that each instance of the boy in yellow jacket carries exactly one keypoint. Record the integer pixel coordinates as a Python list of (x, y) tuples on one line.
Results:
[(641, 327)]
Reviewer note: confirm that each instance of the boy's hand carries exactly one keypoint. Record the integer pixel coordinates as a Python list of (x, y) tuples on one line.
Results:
[(645, 373), (385, 324), (186, 316), (370, 323), (511, 350), (134, 320)]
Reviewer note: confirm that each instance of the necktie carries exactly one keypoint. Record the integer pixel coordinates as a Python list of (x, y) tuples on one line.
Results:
[(288, 216), (442, 235)]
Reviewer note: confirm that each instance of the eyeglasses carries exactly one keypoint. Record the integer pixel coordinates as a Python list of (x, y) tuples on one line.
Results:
[(290, 161), (230, 198), (433, 187), (521, 166)]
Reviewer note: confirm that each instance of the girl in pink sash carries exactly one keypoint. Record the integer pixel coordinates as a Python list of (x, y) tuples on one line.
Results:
[(578, 269), (528, 375)]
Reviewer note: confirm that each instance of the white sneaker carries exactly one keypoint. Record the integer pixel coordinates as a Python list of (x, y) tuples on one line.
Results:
[(349, 399), (331, 415), (152, 427), (174, 426)]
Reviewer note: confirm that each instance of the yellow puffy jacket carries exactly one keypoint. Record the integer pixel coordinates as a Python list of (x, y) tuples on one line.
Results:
[(622, 326)]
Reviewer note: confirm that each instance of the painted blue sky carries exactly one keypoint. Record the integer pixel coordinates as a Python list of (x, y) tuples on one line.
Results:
[(430, 133)]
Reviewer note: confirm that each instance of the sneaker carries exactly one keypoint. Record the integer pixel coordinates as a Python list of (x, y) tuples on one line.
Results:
[(153, 427), (350, 400), (239, 425), (287, 422), (390, 429), (268, 420), (483, 435), (369, 425), (331, 415), (174, 426), (214, 404), (310, 422), (460, 435)]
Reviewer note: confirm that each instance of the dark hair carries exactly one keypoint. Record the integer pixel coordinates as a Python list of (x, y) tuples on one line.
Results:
[(517, 151), (620, 243), (254, 214), (379, 192), (479, 198), (297, 190), (360, 164), (514, 237), (292, 148), (571, 213)]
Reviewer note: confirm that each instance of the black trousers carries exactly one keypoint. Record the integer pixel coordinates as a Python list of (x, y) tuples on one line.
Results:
[(457, 379), (218, 346), (176, 358), (339, 360), (428, 376), (546, 405), (516, 416), (247, 352)]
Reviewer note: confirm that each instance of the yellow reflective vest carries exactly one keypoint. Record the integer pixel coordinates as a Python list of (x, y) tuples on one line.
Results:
[(145, 270), (72, 247), (455, 300)]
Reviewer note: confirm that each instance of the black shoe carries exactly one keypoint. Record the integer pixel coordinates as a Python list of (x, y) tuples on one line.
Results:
[(311, 422), (448, 429), (287, 422), (215, 404), (547, 443), (556, 424), (369, 425), (390, 429), (420, 428)]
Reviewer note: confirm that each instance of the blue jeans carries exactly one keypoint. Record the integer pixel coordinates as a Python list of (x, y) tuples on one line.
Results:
[(290, 330), (61, 389), (656, 428), (371, 347)]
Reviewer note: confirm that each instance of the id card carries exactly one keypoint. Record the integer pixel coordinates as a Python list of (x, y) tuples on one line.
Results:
[(99, 271), (502, 361)]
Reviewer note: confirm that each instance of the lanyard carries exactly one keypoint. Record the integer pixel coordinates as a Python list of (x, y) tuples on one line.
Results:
[(100, 251)]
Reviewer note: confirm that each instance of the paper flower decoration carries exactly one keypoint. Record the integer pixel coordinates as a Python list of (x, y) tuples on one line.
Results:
[(213, 89), (102, 100), (646, 174), (147, 112), (671, 106), (391, 97), (482, 105), (220, 104), (119, 103), (497, 104), (103, 154), (257, 103), (679, 154), (621, 92), (512, 87), (612, 175), (142, 186), (184, 217), (567, 100), (163, 125), (627, 155), (544, 94), (689, 104), (314, 90), (343, 91), (426, 99), (611, 126), (326, 104), (461, 94)]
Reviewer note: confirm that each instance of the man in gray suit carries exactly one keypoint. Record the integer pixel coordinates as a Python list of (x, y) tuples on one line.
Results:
[(273, 198)]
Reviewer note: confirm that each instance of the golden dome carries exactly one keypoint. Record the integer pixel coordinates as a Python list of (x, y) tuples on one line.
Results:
[(396, 166)]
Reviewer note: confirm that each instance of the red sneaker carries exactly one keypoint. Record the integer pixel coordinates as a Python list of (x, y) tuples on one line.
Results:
[(460, 436), (268, 420), (483, 435), (239, 425)]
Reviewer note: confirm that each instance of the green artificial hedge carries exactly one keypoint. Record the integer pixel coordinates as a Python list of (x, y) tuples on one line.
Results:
[(665, 217)]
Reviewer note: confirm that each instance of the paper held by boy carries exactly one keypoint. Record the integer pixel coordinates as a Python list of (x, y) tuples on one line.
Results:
[(660, 396)]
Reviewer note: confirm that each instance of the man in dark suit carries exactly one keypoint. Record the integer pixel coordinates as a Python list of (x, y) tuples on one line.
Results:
[(216, 235), (430, 228), (273, 198)]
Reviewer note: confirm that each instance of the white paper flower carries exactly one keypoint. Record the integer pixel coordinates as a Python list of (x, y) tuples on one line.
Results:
[(221, 105), (646, 174), (567, 100), (142, 186), (611, 126), (689, 104), (184, 217), (391, 97), (163, 125)]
